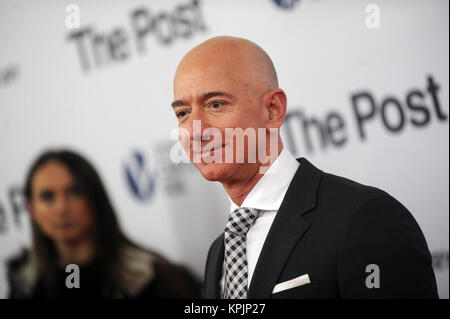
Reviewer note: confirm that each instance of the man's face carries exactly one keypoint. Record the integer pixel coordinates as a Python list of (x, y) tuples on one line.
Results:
[(219, 95)]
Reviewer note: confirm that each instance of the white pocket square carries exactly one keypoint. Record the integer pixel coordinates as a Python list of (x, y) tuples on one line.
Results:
[(296, 282)]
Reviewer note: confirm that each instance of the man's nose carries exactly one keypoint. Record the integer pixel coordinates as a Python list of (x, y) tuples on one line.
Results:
[(197, 124)]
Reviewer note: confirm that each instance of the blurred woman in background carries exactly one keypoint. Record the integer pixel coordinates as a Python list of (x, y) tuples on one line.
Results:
[(73, 222)]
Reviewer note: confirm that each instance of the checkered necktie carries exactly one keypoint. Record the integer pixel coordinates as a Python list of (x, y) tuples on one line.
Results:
[(236, 274)]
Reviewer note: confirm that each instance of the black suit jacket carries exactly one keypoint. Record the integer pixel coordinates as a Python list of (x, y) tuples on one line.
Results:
[(332, 228)]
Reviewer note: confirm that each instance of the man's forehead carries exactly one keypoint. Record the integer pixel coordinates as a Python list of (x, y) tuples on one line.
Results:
[(209, 61), (198, 81), (198, 70), (231, 69)]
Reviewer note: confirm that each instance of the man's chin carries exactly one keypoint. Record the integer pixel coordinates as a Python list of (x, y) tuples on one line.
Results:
[(214, 172)]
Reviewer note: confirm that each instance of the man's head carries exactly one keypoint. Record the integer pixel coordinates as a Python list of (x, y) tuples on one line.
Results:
[(227, 82)]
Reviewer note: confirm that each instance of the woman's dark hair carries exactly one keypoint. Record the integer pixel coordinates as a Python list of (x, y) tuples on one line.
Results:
[(107, 234)]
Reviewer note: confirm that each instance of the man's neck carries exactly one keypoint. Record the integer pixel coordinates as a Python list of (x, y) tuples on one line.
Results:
[(239, 189)]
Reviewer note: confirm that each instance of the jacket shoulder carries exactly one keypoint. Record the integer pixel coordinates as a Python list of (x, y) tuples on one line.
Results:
[(336, 198), (345, 185), (323, 187), (348, 195)]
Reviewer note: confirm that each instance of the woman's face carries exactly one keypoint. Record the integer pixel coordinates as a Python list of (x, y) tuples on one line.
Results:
[(58, 206)]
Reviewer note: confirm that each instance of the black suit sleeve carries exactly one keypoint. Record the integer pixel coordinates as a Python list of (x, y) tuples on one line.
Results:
[(211, 284), (206, 277), (382, 232)]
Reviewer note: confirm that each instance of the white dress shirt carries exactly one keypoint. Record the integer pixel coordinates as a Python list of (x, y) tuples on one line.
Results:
[(266, 196)]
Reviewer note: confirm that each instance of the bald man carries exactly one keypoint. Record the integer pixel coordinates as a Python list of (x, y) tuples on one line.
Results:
[(293, 230)]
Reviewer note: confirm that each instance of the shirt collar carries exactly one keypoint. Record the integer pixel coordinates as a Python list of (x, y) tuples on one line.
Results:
[(269, 191)]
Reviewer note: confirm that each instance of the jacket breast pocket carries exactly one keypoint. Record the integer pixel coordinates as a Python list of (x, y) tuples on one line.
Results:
[(307, 291)]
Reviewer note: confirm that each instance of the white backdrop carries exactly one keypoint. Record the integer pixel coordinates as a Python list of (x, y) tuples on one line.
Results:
[(104, 89)]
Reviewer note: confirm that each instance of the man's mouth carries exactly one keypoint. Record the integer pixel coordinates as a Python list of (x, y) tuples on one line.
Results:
[(209, 151)]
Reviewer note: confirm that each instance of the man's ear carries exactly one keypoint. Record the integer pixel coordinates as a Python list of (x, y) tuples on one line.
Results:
[(276, 104)]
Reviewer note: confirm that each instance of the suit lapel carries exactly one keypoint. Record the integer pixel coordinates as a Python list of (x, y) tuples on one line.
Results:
[(287, 229)]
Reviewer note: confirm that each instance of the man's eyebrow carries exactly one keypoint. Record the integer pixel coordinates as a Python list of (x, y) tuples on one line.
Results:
[(177, 103), (204, 97), (209, 95)]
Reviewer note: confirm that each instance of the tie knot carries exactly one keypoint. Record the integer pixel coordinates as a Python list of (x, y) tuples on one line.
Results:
[(240, 220)]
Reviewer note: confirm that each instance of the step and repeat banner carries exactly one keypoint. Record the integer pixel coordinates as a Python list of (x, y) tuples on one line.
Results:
[(367, 85)]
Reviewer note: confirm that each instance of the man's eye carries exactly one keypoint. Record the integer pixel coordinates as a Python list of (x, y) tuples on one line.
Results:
[(181, 114), (216, 105)]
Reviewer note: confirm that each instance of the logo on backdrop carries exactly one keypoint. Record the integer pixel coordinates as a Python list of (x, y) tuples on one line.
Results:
[(140, 177), (419, 107), (286, 4), (100, 48)]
